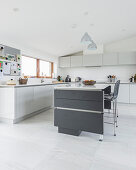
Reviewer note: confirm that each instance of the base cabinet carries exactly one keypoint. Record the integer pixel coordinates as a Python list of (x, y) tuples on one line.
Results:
[(133, 93), (32, 99), (123, 93), (23, 101)]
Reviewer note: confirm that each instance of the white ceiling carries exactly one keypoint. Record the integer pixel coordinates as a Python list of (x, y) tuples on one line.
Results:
[(46, 25)]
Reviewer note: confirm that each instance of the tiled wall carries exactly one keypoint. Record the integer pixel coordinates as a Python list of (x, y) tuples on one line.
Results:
[(99, 73)]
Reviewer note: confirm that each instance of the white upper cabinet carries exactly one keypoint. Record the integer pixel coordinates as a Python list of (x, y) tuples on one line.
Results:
[(64, 61), (76, 61), (110, 59), (127, 58), (92, 60)]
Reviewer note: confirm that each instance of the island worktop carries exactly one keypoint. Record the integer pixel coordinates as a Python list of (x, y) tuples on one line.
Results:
[(96, 87)]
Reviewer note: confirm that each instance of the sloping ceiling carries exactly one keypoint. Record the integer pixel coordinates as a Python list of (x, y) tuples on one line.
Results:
[(55, 27)]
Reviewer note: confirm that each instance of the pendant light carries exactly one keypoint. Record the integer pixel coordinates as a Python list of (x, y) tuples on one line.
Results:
[(86, 39), (88, 42), (92, 46)]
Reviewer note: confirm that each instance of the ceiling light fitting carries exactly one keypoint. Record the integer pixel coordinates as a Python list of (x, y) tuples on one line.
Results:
[(86, 40)]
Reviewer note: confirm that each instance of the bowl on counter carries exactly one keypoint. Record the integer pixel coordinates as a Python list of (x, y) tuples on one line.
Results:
[(89, 82), (23, 81)]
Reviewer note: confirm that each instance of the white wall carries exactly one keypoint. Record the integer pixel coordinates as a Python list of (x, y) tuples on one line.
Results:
[(122, 45), (99, 73)]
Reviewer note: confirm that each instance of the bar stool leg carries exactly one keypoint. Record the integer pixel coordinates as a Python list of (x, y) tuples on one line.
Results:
[(117, 110), (116, 113), (114, 118)]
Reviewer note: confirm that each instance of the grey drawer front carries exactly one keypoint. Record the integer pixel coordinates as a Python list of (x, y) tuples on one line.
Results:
[(79, 104), (79, 95), (78, 120)]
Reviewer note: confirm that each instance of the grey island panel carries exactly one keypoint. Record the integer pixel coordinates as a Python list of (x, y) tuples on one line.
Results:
[(76, 99), (79, 120), (78, 110)]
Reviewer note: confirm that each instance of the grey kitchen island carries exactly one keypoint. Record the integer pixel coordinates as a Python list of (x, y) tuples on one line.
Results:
[(80, 108)]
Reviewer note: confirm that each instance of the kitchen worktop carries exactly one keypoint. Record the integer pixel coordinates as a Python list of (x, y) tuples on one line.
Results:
[(55, 83), (96, 87), (122, 82), (28, 85)]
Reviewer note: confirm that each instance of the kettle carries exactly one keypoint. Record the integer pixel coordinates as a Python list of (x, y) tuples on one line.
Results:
[(68, 79)]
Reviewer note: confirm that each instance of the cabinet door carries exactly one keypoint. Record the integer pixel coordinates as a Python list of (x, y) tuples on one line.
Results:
[(110, 59), (24, 101), (64, 61), (76, 61), (39, 97), (123, 93), (43, 97), (92, 60), (132, 93), (49, 95), (127, 58)]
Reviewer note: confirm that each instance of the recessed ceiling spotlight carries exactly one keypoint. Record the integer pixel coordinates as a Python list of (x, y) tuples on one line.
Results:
[(86, 13), (91, 25), (15, 9), (74, 26)]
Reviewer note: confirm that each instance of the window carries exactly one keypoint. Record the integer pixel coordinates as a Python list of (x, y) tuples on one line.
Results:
[(32, 67), (28, 66), (45, 68)]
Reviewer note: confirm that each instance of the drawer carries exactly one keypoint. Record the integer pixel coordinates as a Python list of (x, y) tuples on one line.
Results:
[(79, 104), (79, 120), (79, 95)]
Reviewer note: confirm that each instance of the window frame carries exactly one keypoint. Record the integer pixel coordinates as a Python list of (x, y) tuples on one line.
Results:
[(38, 68)]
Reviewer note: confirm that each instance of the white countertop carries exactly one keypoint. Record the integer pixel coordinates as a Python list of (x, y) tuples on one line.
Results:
[(96, 87), (48, 83), (121, 82), (28, 85)]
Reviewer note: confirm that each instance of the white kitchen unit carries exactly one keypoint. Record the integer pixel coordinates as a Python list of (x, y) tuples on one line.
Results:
[(127, 58), (133, 93), (7, 101), (76, 61), (64, 62), (19, 102), (110, 59), (92, 60), (123, 96)]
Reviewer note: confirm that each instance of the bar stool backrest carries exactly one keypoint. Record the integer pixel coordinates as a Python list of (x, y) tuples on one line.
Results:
[(116, 89)]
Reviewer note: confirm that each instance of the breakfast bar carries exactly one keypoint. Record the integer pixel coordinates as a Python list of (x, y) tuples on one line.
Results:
[(80, 108)]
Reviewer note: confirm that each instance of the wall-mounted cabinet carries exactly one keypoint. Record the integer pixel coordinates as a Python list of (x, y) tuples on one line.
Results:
[(76, 61), (92, 60), (64, 62), (127, 58), (110, 59)]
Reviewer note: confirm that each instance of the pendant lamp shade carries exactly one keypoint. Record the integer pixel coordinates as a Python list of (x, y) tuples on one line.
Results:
[(92, 46), (86, 39)]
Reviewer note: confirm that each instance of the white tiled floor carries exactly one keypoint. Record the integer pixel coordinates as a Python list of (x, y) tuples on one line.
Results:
[(34, 144)]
